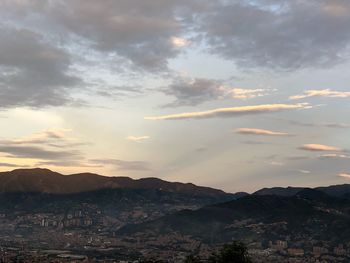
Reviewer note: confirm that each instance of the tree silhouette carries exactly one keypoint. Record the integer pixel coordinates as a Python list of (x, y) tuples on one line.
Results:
[(192, 259), (236, 252)]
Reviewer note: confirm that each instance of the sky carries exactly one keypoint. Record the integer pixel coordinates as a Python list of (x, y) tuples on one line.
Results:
[(232, 94)]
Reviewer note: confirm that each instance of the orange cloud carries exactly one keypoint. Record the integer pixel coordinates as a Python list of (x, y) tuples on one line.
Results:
[(243, 94), (254, 131), (321, 93), (345, 175), (320, 148), (234, 111)]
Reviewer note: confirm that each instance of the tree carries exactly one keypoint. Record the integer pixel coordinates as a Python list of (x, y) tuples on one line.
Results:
[(192, 259), (236, 252)]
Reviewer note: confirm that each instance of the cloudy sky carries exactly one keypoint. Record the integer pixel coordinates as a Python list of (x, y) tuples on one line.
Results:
[(233, 94)]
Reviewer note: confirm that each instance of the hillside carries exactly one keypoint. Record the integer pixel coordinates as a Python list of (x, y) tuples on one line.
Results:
[(309, 217), (46, 181)]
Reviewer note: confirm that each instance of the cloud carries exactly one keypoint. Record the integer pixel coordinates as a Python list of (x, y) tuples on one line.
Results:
[(39, 138), (52, 137), (40, 146), (303, 171), (33, 73), (124, 165), (146, 33), (137, 138), (35, 152), (191, 92), (273, 163), (179, 42), (13, 165), (243, 94), (231, 112), (322, 93), (344, 175), (320, 148), (277, 34), (327, 125), (253, 131), (194, 91), (67, 163), (334, 156)]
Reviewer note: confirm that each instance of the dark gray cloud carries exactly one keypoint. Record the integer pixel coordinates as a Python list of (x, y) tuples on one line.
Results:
[(140, 31), (32, 73), (37, 71), (278, 34), (193, 92), (269, 33), (36, 152), (49, 145), (124, 165)]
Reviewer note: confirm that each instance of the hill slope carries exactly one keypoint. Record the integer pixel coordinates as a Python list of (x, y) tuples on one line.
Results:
[(258, 217), (46, 181)]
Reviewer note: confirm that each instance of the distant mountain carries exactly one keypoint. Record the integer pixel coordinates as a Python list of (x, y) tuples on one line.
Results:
[(280, 191), (308, 214), (333, 190), (46, 181)]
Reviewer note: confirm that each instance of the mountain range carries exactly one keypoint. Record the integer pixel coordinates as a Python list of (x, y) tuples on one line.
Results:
[(47, 181), (165, 218), (307, 221)]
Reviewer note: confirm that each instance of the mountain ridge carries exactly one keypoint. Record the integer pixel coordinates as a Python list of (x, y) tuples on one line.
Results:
[(47, 181)]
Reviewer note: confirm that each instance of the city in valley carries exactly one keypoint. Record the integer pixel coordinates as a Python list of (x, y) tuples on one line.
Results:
[(185, 131), (168, 222)]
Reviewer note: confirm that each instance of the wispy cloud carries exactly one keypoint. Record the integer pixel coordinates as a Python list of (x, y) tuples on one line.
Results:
[(48, 145), (334, 156), (35, 152), (253, 131), (320, 148), (67, 163), (324, 124), (344, 175), (137, 138), (321, 93), (13, 165), (234, 111), (243, 94), (303, 171), (124, 165), (42, 137), (274, 163)]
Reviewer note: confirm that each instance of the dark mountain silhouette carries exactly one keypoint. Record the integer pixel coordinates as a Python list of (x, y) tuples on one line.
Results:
[(46, 181), (316, 196), (308, 210), (281, 191), (333, 190)]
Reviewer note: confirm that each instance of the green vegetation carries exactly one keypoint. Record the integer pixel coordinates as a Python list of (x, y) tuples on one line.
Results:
[(235, 252), (192, 259)]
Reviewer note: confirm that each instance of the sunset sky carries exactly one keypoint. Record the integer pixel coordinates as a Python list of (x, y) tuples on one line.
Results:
[(232, 94)]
